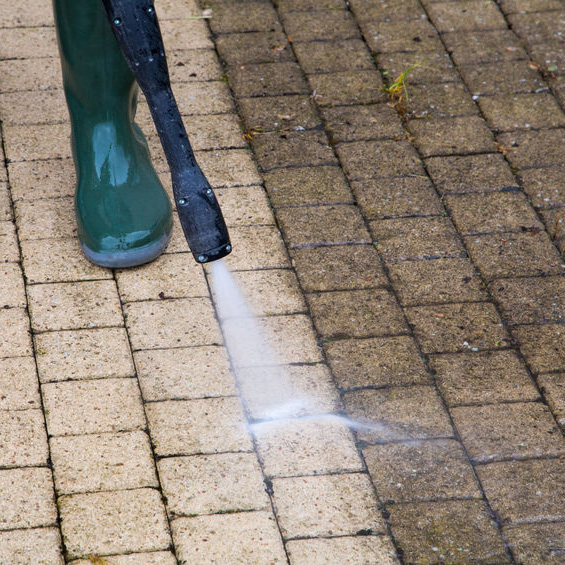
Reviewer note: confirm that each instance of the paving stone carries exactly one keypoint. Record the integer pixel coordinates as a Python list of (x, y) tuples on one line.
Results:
[(367, 159), (279, 113), (446, 101), (505, 431), (18, 383), (530, 300), (554, 221), (33, 107), (408, 35), (214, 132), (186, 33), (468, 134), (211, 97), (193, 64), (403, 10), (12, 288), (51, 217), (521, 491), (253, 80), (83, 354), (536, 543), (172, 323), (254, 16), (416, 238), (439, 280), (65, 306), (333, 56), (292, 149), (319, 551), (449, 531), (38, 545), (32, 142), (294, 391), (231, 167), (543, 346), (398, 413), (354, 123), (102, 462), (526, 253), (209, 484), (245, 206), (314, 5), (326, 505), (306, 447), (377, 362), (346, 87), (190, 427), (307, 185), (538, 27), (478, 47), (338, 267), (29, 42), (491, 211), (519, 6), (5, 204), (471, 15), (457, 327), (113, 522), (23, 438), (546, 56), (26, 498), (183, 373), (15, 340), (429, 67), (254, 47), (358, 313), (522, 111), (152, 558), (470, 173), (425, 470), (411, 195), (326, 25), (237, 537), (544, 187), (322, 225), (482, 378), (90, 407), (512, 77), (553, 388), (525, 149)]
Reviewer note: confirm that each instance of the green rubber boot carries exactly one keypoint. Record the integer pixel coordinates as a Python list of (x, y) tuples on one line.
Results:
[(124, 215)]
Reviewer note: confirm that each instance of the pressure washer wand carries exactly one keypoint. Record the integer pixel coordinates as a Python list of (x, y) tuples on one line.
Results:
[(136, 28)]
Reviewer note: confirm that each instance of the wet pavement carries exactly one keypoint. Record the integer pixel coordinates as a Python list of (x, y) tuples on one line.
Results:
[(405, 262)]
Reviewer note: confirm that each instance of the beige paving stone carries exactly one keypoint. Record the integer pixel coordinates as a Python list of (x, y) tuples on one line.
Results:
[(230, 167), (33, 107), (309, 446), (184, 373), (15, 340), (28, 42), (9, 250), (18, 383), (66, 306), (83, 354), (102, 462), (326, 505), (291, 339), (173, 10), (264, 249), (32, 142), (89, 407), (26, 498), (363, 550), (270, 292), (46, 218), (178, 243), (29, 14), (30, 74), (289, 391), (543, 346), (193, 64), (399, 413), (153, 558), (238, 537), (190, 427), (23, 438), (169, 276), (113, 522), (203, 98), (186, 34), (5, 204), (536, 543), (41, 546), (12, 290), (210, 484), (553, 388), (245, 206), (424, 470), (172, 323), (58, 260), (30, 180), (220, 131), (525, 491)]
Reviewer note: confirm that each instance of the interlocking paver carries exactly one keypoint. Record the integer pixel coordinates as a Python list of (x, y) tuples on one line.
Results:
[(18, 383), (33, 545), (23, 437)]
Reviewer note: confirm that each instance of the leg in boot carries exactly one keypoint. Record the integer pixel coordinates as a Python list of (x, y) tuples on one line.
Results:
[(123, 213)]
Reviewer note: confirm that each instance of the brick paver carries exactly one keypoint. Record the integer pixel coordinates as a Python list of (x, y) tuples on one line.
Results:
[(405, 266)]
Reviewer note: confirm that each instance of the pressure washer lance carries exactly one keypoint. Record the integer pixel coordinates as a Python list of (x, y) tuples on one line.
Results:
[(135, 25)]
